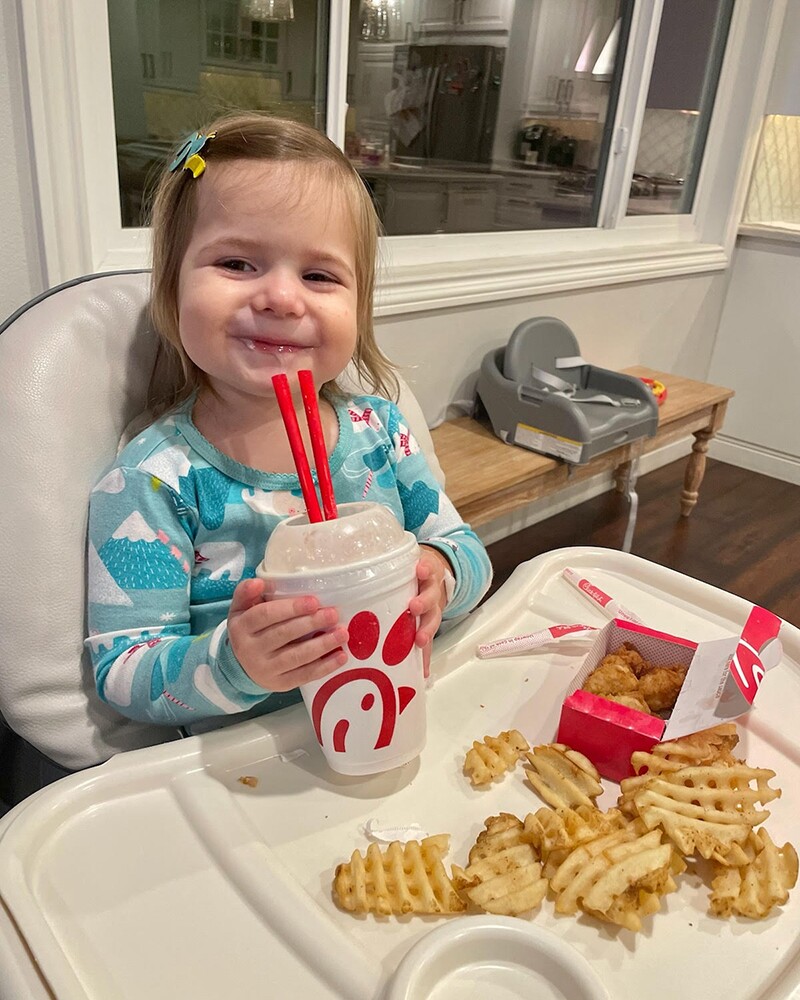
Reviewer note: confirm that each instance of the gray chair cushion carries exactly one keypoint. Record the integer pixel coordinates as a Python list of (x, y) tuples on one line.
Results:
[(74, 370)]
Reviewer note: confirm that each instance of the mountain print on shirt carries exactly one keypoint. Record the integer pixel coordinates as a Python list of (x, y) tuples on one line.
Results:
[(139, 558)]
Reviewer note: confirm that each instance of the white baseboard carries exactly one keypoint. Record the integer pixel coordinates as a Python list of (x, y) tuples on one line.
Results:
[(756, 458), (540, 510)]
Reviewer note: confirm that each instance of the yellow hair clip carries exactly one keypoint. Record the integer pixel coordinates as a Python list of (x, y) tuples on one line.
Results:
[(188, 156)]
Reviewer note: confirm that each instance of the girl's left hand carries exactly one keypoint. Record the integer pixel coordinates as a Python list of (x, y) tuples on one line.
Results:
[(431, 599)]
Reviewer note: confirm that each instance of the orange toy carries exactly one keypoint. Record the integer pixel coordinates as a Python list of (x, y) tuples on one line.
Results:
[(659, 389)]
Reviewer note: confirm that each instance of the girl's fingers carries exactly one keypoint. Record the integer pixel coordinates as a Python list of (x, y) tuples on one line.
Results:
[(425, 600), (314, 671), (285, 614), (427, 628), (297, 655), (247, 594), (296, 630)]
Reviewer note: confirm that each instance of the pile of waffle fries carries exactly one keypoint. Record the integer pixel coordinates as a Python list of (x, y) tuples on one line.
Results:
[(690, 799)]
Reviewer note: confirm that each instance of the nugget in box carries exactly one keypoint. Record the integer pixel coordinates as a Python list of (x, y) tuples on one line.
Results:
[(721, 682)]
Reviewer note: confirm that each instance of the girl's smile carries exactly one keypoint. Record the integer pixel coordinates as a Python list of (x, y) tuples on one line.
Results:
[(267, 283), (268, 346)]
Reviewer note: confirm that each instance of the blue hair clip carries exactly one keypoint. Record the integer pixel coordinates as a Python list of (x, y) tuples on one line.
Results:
[(188, 156)]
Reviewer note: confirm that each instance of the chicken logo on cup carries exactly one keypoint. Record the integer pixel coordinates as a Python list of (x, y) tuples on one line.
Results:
[(364, 635)]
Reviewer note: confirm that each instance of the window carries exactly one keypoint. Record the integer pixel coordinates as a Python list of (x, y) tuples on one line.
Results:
[(539, 201), (178, 63), (232, 35), (483, 118), (680, 99)]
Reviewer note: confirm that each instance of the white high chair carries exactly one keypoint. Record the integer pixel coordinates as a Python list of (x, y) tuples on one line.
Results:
[(75, 364)]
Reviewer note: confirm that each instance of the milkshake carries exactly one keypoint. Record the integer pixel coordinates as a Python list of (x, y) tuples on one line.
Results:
[(369, 714)]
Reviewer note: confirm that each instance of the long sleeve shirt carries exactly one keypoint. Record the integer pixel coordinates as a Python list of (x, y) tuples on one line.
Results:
[(175, 525)]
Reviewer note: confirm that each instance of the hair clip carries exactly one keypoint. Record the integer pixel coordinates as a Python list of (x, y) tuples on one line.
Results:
[(188, 157)]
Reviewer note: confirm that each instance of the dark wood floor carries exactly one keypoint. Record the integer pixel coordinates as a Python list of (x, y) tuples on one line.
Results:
[(743, 536)]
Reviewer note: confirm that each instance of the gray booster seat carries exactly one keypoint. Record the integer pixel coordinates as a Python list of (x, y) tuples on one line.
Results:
[(539, 393)]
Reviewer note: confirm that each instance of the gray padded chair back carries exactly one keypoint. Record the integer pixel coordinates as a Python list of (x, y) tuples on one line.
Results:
[(540, 342), (75, 365), (74, 370)]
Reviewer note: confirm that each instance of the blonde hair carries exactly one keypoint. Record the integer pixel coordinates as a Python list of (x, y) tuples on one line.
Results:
[(255, 137)]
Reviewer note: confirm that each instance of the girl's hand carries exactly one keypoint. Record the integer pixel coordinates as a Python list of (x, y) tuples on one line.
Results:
[(430, 602), (282, 643)]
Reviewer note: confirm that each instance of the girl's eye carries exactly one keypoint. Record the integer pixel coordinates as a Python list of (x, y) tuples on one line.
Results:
[(234, 264), (318, 276)]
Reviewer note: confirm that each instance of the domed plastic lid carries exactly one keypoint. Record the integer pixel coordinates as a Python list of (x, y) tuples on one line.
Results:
[(361, 533)]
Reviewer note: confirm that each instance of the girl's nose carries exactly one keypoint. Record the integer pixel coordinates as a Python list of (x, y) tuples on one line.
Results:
[(279, 292)]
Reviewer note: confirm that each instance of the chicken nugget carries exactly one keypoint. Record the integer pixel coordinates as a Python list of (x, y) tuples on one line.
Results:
[(660, 687), (613, 676), (631, 655), (633, 700)]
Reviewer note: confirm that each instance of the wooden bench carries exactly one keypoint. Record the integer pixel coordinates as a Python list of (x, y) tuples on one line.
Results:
[(487, 478)]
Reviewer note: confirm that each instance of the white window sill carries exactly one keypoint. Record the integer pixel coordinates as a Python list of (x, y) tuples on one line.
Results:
[(408, 288), (775, 232)]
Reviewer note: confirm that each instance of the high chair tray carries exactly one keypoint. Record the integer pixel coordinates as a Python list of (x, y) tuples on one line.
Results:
[(161, 875)]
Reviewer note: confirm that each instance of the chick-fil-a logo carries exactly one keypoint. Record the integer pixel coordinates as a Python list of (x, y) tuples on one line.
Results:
[(363, 636), (595, 593), (758, 649)]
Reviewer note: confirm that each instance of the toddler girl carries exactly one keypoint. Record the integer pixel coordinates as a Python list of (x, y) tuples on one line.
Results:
[(263, 262)]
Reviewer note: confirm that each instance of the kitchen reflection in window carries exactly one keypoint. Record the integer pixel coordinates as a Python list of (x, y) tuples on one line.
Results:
[(683, 85), (176, 64), (452, 136)]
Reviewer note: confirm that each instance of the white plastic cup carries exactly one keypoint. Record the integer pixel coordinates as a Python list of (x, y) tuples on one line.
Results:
[(369, 714)]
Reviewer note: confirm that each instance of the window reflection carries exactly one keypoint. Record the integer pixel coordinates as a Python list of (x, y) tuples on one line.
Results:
[(683, 85), (462, 115), (178, 63), (489, 115)]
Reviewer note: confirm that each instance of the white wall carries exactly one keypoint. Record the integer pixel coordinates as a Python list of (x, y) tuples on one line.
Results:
[(757, 350), (757, 353), (784, 95), (21, 269)]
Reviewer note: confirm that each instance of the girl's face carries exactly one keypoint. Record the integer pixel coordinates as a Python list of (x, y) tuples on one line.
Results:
[(267, 283)]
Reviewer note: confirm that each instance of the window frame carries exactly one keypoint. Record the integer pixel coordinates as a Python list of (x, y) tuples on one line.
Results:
[(73, 137)]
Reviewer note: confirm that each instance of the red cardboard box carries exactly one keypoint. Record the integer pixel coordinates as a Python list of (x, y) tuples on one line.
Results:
[(721, 683)]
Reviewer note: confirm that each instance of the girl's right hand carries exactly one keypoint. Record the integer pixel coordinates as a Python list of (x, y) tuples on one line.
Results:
[(282, 643)]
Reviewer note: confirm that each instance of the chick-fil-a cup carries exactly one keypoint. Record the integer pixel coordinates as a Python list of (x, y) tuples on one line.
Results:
[(369, 714)]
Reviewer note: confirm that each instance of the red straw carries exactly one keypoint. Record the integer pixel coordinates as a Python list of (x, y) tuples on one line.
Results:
[(284, 396), (309, 394)]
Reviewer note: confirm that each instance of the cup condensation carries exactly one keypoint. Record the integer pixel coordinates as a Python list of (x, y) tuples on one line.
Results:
[(369, 714)]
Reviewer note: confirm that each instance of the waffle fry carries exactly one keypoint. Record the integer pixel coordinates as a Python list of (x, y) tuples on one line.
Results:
[(554, 833), (753, 889), (710, 746), (496, 755), (653, 767), (619, 878), (562, 777), (577, 860), (706, 809), (499, 833), (405, 878), (504, 875)]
